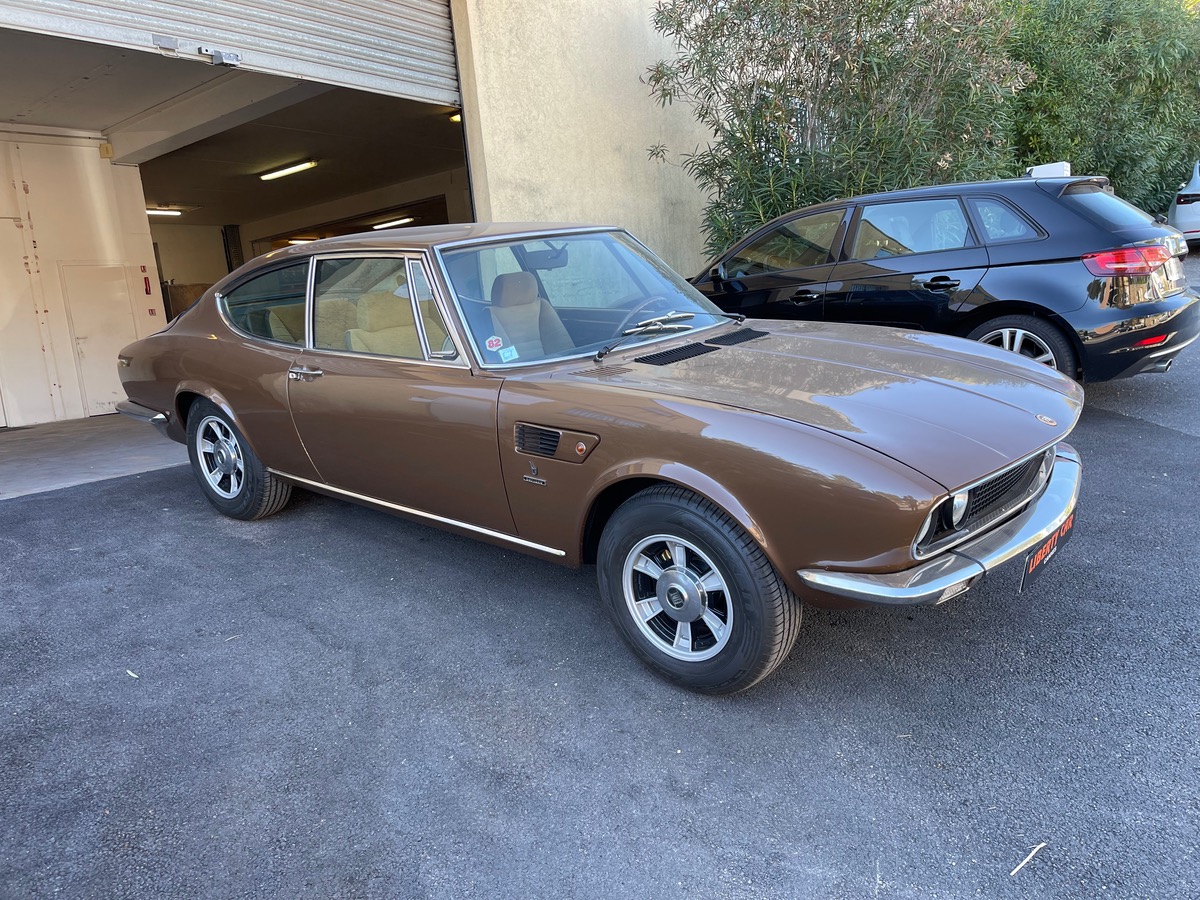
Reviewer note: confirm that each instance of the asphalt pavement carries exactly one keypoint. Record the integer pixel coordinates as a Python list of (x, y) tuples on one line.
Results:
[(336, 703)]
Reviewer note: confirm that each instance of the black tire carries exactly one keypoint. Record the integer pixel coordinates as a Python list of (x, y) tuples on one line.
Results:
[(233, 479), (1033, 338), (725, 580)]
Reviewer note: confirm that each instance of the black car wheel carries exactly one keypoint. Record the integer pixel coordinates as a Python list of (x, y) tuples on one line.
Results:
[(1032, 337), (233, 479), (693, 594)]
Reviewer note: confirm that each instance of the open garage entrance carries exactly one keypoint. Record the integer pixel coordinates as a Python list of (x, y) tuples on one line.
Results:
[(93, 135)]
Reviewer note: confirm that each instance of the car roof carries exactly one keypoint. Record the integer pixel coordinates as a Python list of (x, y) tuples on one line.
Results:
[(1000, 185), (427, 236)]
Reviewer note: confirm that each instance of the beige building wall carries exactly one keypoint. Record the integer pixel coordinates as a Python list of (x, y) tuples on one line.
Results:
[(77, 276), (558, 121)]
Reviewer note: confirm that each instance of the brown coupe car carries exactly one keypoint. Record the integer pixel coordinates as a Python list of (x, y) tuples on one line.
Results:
[(559, 390)]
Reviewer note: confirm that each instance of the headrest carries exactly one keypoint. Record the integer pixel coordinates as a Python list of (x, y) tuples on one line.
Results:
[(383, 309), (514, 289)]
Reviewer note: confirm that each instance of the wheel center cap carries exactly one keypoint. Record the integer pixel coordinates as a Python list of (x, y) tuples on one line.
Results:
[(681, 596), (675, 597)]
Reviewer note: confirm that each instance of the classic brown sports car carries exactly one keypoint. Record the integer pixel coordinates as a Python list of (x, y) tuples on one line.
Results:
[(559, 390)]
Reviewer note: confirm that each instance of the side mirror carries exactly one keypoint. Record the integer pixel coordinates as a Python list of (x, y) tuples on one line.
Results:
[(717, 273)]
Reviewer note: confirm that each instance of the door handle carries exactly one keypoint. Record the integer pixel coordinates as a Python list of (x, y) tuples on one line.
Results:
[(804, 296), (303, 373), (940, 283)]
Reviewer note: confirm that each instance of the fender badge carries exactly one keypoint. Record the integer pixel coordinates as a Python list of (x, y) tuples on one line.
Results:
[(1046, 419)]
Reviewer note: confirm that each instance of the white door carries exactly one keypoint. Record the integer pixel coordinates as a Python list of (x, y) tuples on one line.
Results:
[(101, 324)]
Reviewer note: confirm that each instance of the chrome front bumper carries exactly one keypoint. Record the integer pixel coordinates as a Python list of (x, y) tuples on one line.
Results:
[(959, 569)]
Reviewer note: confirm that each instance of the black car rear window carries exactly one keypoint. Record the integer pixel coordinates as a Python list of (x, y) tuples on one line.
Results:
[(1099, 204)]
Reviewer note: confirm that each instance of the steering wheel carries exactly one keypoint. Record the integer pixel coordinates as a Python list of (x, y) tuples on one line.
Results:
[(634, 313)]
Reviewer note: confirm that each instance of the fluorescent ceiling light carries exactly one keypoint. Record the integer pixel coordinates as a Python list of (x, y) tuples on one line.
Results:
[(164, 212), (301, 240), (289, 170), (456, 117), (392, 223)]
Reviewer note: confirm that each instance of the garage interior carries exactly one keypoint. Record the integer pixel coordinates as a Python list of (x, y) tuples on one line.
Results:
[(201, 135)]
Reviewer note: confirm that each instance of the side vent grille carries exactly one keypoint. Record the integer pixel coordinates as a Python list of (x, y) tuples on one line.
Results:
[(676, 354), (538, 441), (737, 337)]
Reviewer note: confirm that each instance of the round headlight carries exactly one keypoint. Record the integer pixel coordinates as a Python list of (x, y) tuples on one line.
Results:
[(958, 508)]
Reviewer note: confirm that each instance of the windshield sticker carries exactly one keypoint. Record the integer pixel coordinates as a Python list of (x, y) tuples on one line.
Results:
[(493, 343), (508, 354)]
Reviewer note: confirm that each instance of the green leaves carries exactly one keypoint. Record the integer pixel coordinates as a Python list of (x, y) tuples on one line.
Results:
[(811, 101)]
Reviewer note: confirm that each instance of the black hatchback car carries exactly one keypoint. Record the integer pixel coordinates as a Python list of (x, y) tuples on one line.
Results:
[(1058, 269)]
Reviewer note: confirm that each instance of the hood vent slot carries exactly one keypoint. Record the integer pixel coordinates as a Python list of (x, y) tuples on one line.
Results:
[(602, 372), (676, 354), (737, 337), (537, 441)]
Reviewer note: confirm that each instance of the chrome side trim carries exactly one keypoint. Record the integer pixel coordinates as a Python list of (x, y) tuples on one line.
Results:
[(421, 514), (955, 571)]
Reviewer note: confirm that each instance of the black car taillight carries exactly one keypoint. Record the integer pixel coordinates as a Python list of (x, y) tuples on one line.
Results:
[(1185, 199), (1127, 260)]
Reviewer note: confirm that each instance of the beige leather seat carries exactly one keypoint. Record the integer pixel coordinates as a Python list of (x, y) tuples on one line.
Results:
[(524, 320), (385, 326)]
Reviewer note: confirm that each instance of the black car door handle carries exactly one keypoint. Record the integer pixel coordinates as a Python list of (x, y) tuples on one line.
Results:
[(804, 296), (940, 283)]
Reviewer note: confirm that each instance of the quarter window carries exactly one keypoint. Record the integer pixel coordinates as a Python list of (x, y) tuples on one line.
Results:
[(806, 241), (271, 305), (999, 222), (915, 226)]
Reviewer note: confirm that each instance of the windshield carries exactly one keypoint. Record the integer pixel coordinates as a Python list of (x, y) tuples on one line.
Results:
[(534, 299)]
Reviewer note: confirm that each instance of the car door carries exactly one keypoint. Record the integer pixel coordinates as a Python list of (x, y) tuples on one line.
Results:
[(781, 272), (384, 400), (907, 263)]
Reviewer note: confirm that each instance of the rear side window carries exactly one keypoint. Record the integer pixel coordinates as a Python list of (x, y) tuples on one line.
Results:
[(1001, 223), (1104, 207), (271, 305), (913, 226)]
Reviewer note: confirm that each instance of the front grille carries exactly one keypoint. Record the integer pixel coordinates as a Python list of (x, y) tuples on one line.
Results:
[(737, 337), (997, 494), (676, 354), (988, 502), (536, 440)]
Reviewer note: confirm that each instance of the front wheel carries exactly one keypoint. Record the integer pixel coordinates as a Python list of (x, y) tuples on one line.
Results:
[(232, 477), (692, 594), (1031, 337)]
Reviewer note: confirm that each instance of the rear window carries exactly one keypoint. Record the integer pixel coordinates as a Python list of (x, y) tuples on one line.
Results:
[(1109, 209)]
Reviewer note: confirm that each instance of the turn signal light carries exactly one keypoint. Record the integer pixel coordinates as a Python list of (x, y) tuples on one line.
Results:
[(1127, 260)]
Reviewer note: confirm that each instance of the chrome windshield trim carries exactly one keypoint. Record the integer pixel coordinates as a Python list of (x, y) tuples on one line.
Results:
[(408, 510)]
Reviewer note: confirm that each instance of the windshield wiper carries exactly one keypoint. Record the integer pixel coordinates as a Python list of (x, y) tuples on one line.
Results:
[(672, 321)]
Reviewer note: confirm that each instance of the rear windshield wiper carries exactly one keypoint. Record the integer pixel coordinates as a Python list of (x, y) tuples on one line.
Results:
[(672, 321)]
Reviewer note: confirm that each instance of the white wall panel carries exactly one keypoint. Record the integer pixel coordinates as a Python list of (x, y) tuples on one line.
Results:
[(400, 47)]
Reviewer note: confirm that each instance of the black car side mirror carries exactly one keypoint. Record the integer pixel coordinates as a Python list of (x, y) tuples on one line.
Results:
[(717, 273)]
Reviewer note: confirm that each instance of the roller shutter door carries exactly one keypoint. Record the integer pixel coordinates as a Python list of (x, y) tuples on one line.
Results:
[(404, 48)]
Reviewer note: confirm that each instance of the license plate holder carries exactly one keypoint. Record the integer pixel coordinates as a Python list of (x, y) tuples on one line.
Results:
[(1037, 558)]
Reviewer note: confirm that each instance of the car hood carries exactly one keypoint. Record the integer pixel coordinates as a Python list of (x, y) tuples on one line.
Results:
[(953, 410)]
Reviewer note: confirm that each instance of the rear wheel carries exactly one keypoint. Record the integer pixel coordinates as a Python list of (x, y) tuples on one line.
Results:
[(692, 594), (1031, 337), (233, 479)]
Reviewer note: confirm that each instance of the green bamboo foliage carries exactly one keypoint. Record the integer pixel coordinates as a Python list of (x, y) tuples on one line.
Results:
[(810, 101)]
